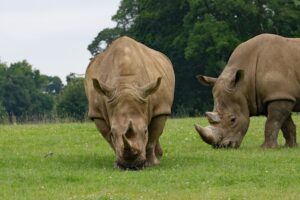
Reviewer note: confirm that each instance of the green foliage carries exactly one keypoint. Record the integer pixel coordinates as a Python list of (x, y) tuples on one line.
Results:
[(3, 113), (210, 40), (126, 13), (104, 38), (72, 101), (24, 92), (72, 161), (199, 35), (54, 85)]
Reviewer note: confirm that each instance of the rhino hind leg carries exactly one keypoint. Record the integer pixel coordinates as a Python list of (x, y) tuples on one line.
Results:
[(289, 132), (153, 149), (278, 113)]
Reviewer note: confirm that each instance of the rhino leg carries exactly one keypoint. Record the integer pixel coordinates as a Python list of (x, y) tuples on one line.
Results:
[(289, 132), (278, 112), (104, 129), (155, 130), (158, 150)]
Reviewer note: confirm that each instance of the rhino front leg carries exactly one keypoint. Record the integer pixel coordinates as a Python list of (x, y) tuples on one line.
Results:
[(158, 150), (104, 129), (289, 132), (278, 112), (153, 149)]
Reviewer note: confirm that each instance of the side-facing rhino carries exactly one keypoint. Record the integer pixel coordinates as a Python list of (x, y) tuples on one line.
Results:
[(130, 90), (262, 77)]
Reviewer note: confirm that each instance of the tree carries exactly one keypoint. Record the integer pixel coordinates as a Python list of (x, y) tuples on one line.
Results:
[(72, 101), (54, 85), (3, 67), (199, 36), (104, 39), (3, 113), (23, 91)]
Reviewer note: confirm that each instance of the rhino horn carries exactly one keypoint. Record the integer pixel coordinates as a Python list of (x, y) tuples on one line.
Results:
[(213, 117), (129, 131), (150, 88), (130, 126), (207, 134), (126, 142)]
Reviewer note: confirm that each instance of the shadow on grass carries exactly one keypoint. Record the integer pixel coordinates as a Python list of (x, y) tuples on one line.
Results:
[(174, 160), (106, 162)]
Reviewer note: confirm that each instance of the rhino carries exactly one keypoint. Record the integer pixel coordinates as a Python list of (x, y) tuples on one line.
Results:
[(262, 77), (130, 91)]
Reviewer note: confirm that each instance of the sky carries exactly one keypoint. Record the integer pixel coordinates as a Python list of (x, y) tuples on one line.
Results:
[(52, 35)]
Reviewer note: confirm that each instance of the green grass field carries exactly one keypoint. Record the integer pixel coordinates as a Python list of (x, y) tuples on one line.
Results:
[(71, 161)]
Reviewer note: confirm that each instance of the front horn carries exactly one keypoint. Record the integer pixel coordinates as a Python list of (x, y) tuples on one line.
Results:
[(126, 142), (128, 134), (207, 134)]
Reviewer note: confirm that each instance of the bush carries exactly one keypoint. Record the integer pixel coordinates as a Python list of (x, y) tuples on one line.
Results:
[(72, 102), (3, 114)]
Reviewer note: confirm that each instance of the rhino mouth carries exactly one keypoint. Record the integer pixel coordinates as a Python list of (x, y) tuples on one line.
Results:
[(131, 166), (226, 145)]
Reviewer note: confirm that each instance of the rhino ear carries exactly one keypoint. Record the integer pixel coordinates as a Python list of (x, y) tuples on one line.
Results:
[(103, 89), (150, 88), (236, 79), (206, 81)]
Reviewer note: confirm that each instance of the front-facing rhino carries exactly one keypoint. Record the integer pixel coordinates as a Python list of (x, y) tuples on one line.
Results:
[(130, 90), (262, 77)]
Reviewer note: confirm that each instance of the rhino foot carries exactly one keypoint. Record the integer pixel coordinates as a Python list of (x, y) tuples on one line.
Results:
[(267, 145), (291, 145), (152, 161)]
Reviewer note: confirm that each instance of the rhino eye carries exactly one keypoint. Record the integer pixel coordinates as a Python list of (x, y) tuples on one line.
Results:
[(146, 131)]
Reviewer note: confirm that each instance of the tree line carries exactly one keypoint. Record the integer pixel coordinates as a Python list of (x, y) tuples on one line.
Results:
[(26, 95), (198, 36)]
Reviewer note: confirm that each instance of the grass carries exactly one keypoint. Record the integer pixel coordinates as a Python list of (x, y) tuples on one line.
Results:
[(71, 161)]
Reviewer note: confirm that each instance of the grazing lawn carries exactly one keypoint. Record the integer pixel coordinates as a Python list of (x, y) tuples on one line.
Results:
[(71, 161)]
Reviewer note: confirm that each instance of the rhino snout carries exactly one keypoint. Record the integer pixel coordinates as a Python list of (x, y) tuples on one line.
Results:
[(125, 165), (227, 144), (129, 156), (212, 136)]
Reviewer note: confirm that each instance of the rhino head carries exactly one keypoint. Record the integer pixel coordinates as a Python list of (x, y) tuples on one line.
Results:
[(127, 109), (229, 120)]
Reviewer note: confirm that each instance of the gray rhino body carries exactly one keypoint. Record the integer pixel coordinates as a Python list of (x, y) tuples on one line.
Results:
[(130, 90), (262, 77)]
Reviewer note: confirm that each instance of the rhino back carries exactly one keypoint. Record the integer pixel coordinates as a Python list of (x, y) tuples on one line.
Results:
[(278, 70), (129, 62), (272, 70)]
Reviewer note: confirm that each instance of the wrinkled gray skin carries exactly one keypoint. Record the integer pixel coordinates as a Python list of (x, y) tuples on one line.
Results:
[(262, 77), (130, 90)]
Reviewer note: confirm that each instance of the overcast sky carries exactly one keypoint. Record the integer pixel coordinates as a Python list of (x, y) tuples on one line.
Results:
[(52, 35)]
